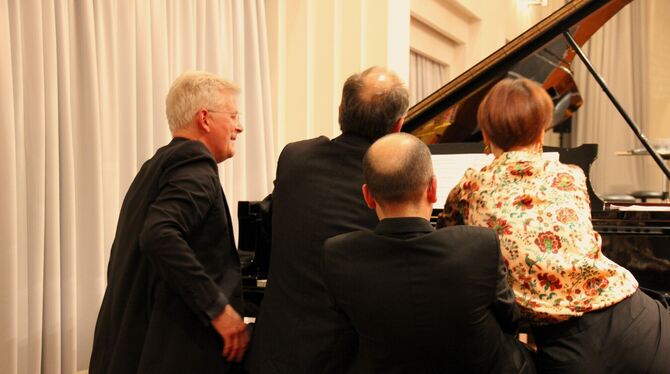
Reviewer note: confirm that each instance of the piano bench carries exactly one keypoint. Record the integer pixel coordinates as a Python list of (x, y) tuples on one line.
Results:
[(644, 195)]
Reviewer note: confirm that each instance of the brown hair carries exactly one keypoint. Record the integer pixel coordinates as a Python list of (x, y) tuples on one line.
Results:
[(515, 113)]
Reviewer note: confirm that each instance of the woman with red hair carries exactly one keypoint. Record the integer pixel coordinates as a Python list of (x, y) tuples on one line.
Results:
[(586, 312)]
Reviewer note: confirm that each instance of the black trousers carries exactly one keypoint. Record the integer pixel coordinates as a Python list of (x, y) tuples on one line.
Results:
[(632, 336)]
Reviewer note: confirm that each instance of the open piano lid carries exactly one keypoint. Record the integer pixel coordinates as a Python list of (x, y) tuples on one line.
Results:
[(541, 53)]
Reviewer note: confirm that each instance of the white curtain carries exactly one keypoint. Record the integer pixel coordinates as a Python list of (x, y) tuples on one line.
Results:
[(82, 88), (619, 53), (425, 77)]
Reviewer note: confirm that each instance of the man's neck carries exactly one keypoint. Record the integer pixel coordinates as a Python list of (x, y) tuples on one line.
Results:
[(185, 133)]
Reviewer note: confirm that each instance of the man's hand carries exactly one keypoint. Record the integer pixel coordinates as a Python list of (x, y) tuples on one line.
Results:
[(234, 333)]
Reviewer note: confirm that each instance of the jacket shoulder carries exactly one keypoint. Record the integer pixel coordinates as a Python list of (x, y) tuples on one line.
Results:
[(482, 240), (304, 145), (176, 155), (186, 150), (484, 232), (185, 160), (345, 240)]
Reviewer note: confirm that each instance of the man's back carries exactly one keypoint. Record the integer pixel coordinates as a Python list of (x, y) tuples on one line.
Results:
[(317, 195), (422, 301)]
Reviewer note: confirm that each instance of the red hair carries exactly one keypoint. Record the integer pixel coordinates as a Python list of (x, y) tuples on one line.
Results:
[(515, 113)]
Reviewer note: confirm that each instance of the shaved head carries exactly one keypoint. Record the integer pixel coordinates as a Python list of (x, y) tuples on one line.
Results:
[(397, 168)]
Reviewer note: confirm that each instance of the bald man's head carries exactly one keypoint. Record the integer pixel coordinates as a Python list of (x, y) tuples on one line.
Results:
[(397, 169), (372, 103)]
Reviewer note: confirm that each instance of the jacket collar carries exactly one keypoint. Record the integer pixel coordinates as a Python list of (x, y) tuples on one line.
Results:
[(353, 139), (401, 225), (178, 139)]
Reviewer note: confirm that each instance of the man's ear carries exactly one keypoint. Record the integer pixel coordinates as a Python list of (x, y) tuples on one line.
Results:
[(202, 121), (372, 204), (398, 124), (431, 193)]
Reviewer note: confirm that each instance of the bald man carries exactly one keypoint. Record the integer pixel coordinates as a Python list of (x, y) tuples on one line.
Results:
[(420, 300), (317, 195)]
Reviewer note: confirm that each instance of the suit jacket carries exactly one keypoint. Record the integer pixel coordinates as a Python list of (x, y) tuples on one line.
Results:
[(173, 267), (425, 301), (317, 194)]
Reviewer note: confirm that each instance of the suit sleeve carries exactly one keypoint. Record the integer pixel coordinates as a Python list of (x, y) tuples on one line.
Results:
[(188, 189), (343, 338), (504, 306)]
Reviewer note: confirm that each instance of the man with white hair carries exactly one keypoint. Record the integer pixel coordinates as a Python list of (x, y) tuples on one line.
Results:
[(174, 288)]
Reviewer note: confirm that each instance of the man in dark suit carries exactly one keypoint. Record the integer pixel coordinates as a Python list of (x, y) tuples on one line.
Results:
[(420, 300), (317, 195), (173, 288)]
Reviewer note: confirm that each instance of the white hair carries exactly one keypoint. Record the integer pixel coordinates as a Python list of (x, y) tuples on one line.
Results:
[(192, 91)]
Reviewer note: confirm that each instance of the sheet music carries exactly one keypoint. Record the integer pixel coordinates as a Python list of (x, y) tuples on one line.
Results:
[(449, 169)]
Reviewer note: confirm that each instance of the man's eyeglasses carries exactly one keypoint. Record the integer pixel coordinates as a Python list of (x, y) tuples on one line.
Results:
[(235, 116)]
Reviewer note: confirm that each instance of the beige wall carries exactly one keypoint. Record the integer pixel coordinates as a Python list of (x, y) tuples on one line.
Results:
[(314, 45), (460, 33)]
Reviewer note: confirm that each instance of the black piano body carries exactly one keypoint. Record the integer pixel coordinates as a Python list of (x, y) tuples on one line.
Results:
[(640, 241)]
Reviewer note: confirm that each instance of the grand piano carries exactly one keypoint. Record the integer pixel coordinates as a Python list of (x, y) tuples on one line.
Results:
[(446, 120)]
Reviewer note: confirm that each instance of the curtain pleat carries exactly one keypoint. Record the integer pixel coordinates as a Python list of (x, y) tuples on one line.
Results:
[(82, 106), (262, 92), (9, 200), (425, 77), (160, 71), (129, 146), (31, 157), (87, 122), (66, 181), (52, 353)]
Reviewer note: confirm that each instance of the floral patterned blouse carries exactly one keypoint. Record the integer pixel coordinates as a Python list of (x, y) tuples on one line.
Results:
[(540, 209)]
